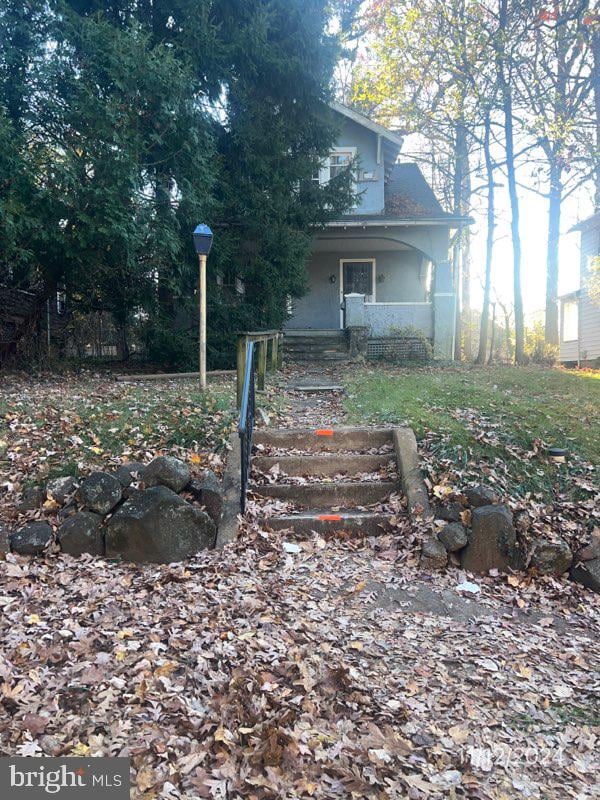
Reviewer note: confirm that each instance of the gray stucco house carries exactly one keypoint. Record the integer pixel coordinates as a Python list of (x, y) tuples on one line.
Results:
[(579, 311), (384, 266)]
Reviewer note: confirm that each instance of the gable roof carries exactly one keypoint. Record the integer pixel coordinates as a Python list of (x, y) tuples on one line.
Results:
[(394, 137)]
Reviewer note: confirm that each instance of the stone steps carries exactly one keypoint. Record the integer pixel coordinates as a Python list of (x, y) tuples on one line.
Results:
[(334, 506), (328, 523), (325, 465), (316, 346), (324, 440), (341, 494)]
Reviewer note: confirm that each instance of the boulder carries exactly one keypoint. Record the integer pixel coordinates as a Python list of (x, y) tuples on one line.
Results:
[(433, 554), (492, 542), (82, 533), (127, 473), (453, 536), (33, 497), (4, 540), (209, 493), (60, 488), (480, 495), (587, 573), (449, 513), (32, 539), (590, 551), (100, 492), (551, 558), (158, 525), (167, 471)]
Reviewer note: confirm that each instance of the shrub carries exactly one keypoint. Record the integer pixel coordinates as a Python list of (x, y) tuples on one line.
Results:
[(537, 349)]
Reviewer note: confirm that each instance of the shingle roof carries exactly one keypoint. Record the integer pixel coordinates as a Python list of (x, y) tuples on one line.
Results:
[(408, 195)]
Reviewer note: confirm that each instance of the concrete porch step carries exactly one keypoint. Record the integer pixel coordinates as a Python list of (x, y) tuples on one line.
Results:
[(328, 524), (342, 494), (318, 358), (326, 465), (313, 332), (324, 439)]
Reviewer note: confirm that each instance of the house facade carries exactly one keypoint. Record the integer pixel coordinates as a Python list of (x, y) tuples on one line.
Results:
[(388, 257), (580, 311)]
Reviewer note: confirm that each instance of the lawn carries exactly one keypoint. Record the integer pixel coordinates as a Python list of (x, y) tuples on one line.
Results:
[(499, 418), (68, 424)]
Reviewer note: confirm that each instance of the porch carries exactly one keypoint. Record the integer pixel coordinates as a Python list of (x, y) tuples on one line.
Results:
[(400, 274)]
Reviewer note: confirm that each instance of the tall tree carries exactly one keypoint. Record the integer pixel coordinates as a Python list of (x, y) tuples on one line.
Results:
[(505, 46), (489, 248), (553, 86), (424, 71)]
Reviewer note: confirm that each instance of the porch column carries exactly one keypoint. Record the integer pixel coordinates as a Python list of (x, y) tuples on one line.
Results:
[(357, 334), (444, 312)]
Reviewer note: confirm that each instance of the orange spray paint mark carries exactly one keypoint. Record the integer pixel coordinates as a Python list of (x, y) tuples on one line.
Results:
[(324, 432), (330, 517)]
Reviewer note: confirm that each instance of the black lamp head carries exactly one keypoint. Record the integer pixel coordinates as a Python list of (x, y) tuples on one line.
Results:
[(203, 237)]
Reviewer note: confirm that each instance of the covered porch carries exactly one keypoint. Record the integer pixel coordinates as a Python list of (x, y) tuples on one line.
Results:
[(401, 274)]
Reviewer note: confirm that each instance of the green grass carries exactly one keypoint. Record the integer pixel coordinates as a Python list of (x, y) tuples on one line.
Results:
[(483, 414), (57, 425)]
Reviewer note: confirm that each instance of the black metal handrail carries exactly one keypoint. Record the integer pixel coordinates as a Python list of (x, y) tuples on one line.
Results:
[(246, 424)]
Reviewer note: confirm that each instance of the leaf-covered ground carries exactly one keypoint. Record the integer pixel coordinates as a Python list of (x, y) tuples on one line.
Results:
[(327, 670), (70, 424)]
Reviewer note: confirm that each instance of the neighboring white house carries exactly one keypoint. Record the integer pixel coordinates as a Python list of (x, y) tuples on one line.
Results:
[(579, 312)]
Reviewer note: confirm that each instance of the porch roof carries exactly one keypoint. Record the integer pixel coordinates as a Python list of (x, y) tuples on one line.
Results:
[(384, 220)]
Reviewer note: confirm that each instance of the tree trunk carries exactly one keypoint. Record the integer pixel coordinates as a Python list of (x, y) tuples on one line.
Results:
[(493, 342), (489, 250), (465, 238), (555, 200), (461, 202), (506, 90), (596, 85)]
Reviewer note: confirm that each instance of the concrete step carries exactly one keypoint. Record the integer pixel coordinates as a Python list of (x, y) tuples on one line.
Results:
[(326, 465), (342, 494), (310, 333), (322, 341), (312, 349), (328, 524), (317, 358), (324, 439)]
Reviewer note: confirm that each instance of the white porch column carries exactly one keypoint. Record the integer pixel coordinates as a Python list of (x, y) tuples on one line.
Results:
[(444, 312)]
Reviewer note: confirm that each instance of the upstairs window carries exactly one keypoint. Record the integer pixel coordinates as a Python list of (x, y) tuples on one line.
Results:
[(338, 160)]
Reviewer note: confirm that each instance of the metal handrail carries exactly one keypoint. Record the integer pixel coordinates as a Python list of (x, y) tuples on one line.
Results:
[(246, 423)]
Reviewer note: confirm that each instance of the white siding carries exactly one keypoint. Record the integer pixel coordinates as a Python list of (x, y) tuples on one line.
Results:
[(589, 312)]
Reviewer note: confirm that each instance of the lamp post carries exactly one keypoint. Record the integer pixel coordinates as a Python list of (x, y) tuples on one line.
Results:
[(202, 242)]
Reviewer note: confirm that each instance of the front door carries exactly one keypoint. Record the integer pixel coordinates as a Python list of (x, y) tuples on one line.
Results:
[(358, 277)]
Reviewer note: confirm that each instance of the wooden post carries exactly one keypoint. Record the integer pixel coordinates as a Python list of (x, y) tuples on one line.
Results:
[(241, 367), (262, 363), (202, 331), (279, 350), (274, 349)]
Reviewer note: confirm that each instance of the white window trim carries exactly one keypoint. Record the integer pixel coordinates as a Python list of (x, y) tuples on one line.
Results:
[(564, 304), (325, 169), (343, 261)]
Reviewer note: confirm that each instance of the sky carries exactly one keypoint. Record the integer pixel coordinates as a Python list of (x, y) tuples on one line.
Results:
[(534, 230)]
